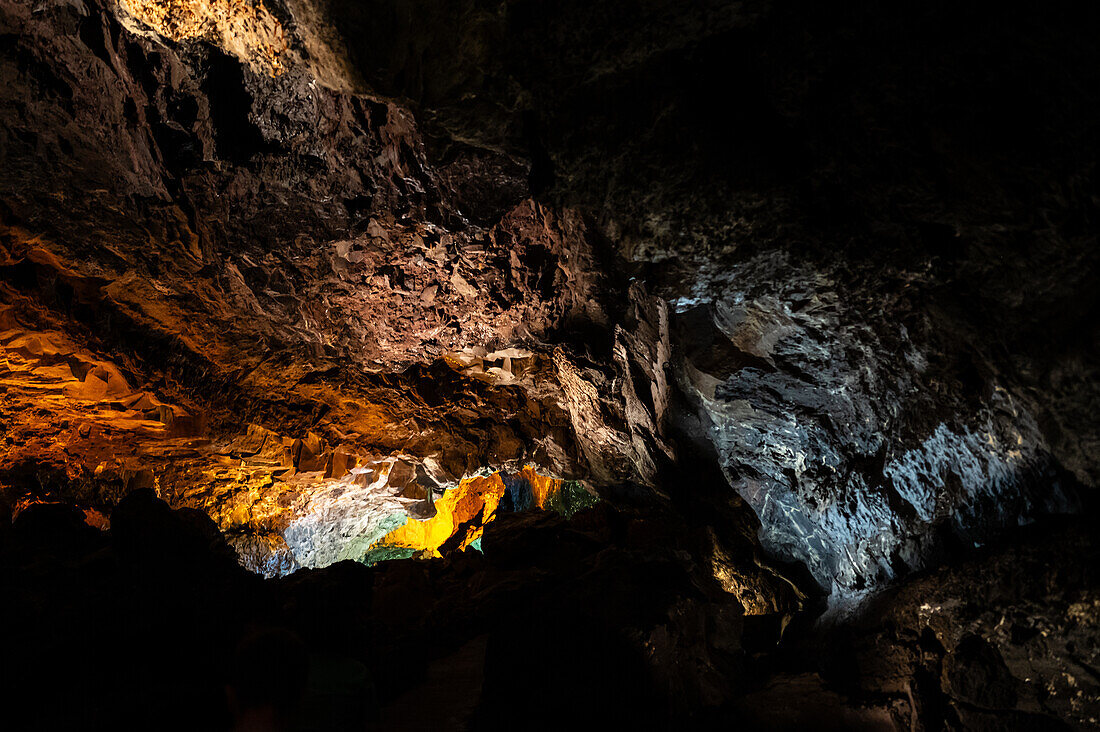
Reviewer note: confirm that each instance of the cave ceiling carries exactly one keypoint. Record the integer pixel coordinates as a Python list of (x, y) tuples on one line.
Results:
[(353, 278)]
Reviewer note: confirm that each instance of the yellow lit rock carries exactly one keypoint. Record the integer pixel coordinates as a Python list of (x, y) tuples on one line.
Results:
[(462, 512), (244, 28)]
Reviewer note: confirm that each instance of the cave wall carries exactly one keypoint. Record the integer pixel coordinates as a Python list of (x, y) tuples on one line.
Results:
[(798, 301), (331, 223), (872, 223)]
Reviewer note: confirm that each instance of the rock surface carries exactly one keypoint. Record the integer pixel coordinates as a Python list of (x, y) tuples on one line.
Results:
[(807, 296)]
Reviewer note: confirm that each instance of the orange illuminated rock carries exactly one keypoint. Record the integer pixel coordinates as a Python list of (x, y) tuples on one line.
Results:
[(245, 29), (66, 407), (474, 498), (462, 512), (542, 487)]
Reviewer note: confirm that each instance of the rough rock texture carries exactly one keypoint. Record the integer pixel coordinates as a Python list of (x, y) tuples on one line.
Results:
[(258, 252), (271, 247), (1006, 640), (806, 294), (887, 213), (844, 433)]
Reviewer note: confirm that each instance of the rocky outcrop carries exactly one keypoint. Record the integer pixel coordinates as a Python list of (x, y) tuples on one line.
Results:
[(860, 447), (847, 199), (1005, 640), (277, 262)]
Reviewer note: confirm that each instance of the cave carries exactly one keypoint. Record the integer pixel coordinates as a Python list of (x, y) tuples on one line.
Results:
[(616, 364)]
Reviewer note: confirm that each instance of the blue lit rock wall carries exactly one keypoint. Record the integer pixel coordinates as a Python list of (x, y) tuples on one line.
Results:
[(863, 454)]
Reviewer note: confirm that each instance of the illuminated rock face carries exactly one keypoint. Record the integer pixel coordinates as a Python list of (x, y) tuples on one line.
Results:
[(462, 512), (283, 502), (237, 274), (246, 29), (795, 303), (368, 517), (259, 327), (798, 388)]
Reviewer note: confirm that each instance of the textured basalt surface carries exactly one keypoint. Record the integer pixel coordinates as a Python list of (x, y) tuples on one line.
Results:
[(635, 332)]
